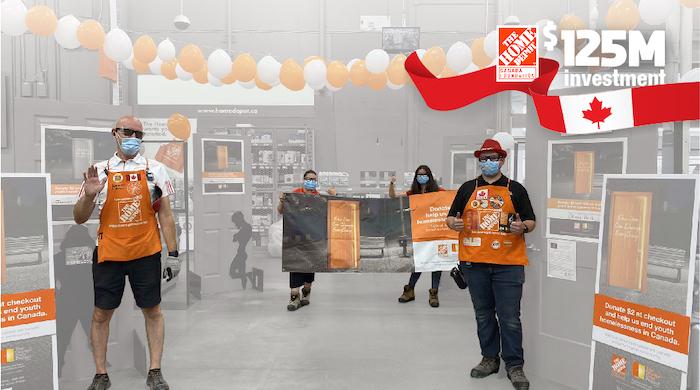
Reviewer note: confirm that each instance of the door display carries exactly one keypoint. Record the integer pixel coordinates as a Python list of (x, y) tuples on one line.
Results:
[(645, 276), (343, 234), (222, 165), (574, 184)]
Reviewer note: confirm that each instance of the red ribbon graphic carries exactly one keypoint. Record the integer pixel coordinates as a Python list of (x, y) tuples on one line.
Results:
[(652, 104)]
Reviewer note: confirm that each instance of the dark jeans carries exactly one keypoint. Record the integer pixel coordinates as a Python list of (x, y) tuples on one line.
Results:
[(496, 291), (436, 279)]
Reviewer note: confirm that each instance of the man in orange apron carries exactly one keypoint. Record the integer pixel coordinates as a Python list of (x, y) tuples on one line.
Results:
[(131, 193), (492, 213)]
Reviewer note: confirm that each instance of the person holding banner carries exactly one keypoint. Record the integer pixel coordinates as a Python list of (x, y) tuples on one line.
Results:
[(305, 279), (131, 193), (423, 182), (492, 213)]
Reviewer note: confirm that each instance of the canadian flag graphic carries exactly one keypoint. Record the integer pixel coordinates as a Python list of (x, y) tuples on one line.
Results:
[(597, 112), (133, 177), (482, 194)]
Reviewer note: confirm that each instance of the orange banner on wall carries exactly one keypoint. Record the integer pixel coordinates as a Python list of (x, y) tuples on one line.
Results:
[(28, 307), (659, 327)]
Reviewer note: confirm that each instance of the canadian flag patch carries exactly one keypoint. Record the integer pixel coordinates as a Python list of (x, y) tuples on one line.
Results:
[(482, 194), (133, 177)]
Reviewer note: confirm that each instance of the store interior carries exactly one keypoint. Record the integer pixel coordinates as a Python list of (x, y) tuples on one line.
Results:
[(224, 332)]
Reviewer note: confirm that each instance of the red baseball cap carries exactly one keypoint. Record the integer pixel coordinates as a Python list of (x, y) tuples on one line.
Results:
[(491, 145)]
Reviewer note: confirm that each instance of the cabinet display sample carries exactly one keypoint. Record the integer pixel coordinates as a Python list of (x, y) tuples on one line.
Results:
[(583, 172)]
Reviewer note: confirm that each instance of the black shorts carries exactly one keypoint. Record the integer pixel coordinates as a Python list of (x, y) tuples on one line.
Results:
[(108, 279), (297, 279)]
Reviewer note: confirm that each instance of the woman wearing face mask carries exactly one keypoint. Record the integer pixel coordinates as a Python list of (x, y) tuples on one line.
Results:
[(423, 182), (305, 279)]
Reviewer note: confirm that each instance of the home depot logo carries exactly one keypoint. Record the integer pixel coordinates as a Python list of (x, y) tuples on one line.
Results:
[(130, 211), (489, 220), (619, 366), (517, 54)]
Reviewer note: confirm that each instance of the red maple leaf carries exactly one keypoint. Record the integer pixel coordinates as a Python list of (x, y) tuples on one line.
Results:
[(597, 113)]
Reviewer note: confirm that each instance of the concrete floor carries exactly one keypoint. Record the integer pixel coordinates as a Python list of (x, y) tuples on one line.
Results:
[(354, 335)]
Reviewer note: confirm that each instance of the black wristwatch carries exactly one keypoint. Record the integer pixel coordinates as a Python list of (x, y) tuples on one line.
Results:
[(526, 229), (173, 254)]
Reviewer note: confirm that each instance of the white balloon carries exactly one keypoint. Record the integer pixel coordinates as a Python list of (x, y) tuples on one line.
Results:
[(692, 75), (505, 139), (117, 45), (377, 61), (351, 63), (219, 63), (459, 56), (214, 81), (393, 86), (512, 19), (491, 44), (420, 53), (155, 66), (182, 74), (248, 84), (12, 16), (166, 50), (129, 63), (269, 70), (655, 12), (67, 32), (315, 74), (469, 69)]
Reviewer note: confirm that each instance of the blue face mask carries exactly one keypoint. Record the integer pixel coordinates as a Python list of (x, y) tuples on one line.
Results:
[(489, 168), (310, 184), (130, 146), (422, 179)]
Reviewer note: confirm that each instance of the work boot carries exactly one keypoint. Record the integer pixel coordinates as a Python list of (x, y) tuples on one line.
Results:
[(518, 379), (305, 294), (486, 367), (433, 300), (408, 294), (100, 382), (294, 302), (155, 380)]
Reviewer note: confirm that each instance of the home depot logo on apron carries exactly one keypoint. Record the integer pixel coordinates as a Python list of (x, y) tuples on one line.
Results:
[(486, 237), (128, 227)]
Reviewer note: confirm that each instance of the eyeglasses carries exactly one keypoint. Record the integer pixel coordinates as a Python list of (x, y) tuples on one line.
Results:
[(126, 132), (490, 158), (310, 178)]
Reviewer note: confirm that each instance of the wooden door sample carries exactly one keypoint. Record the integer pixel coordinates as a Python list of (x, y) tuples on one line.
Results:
[(584, 169), (343, 234), (628, 239), (222, 157)]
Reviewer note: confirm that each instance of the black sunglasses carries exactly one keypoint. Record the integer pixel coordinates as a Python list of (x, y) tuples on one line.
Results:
[(126, 132), (490, 158)]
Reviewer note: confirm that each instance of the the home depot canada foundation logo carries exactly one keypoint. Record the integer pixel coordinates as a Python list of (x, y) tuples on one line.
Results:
[(517, 54)]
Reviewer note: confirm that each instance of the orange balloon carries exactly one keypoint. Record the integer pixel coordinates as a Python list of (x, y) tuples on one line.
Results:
[(691, 3), (230, 78), (571, 22), (41, 20), (396, 72), (435, 60), (179, 126), (377, 81), (140, 67), (145, 49), (622, 15), (167, 69), (447, 72), (261, 85), (201, 76), (191, 58), (479, 56), (337, 74), (292, 75), (359, 75), (244, 67), (91, 34)]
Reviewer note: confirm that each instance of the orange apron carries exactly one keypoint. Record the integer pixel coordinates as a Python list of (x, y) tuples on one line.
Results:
[(128, 227), (486, 237)]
